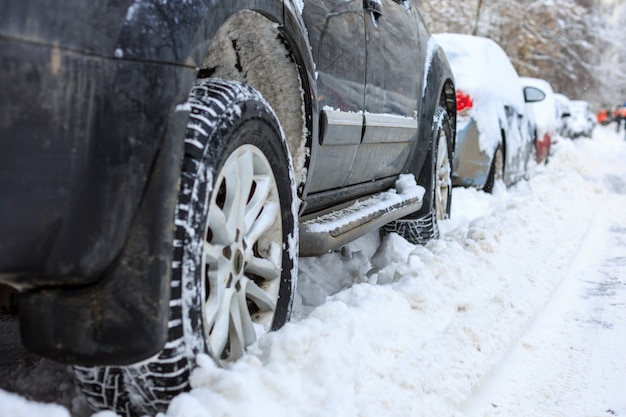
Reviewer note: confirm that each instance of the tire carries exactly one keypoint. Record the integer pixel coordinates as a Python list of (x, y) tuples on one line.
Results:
[(425, 227), (496, 171), (234, 258)]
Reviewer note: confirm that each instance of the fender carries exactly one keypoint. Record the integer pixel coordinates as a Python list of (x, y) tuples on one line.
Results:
[(298, 42)]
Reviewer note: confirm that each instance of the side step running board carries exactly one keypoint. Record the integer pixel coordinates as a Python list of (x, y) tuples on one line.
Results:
[(331, 230)]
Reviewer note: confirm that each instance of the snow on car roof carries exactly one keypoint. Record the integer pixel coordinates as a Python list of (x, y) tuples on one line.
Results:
[(481, 68)]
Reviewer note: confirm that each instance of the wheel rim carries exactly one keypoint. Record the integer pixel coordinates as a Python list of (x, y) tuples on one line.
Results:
[(443, 181), (242, 254)]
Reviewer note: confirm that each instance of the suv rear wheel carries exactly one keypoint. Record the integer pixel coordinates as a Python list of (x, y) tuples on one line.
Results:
[(234, 249)]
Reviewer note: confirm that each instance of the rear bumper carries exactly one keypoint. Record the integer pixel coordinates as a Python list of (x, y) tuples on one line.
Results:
[(90, 151), (79, 135)]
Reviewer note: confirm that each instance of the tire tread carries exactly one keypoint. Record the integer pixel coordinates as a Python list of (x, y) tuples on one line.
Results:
[(148, 388)]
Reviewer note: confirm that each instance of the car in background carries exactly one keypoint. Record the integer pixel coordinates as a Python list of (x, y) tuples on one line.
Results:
[(582, 120), (164, 163), (495, 133), (562, 113), (540, 95), (604, 116)]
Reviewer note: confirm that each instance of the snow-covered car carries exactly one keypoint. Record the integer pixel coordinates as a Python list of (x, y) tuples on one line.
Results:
[(540, 95), (582, 120), (163, 163), (494, 138)]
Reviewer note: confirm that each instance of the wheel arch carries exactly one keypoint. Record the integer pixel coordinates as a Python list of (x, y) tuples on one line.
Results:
[(255, 49)]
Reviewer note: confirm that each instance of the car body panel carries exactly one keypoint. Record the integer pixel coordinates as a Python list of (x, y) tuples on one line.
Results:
[(471, 165), (72, 182), (391, 92), (340, 85)]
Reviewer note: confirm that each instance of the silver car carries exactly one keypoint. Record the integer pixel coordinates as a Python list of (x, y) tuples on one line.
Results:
[(495, 132)]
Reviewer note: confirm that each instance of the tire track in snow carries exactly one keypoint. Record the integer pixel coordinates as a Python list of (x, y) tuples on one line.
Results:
[(569, 361)]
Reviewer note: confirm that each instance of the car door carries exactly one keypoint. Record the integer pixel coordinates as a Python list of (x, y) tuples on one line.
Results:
[(337, 34), (392, 96)]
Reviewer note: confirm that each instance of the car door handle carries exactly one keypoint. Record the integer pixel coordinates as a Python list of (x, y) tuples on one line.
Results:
[(375, 7)]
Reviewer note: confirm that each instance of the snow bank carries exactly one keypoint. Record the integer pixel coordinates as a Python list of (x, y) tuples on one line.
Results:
[(15, 406), (389, 328), (420, 327)]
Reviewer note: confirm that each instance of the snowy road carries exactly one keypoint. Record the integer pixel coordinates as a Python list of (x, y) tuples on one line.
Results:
[(570, 360), (518, 310)]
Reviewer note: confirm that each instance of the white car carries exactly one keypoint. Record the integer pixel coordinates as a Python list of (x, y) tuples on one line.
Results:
[(582, 121), (540, 94)]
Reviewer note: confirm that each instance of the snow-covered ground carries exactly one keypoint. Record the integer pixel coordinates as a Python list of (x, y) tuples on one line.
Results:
[(519, 309)]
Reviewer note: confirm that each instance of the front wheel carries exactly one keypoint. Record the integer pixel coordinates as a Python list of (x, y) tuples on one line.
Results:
[(426, 227), (235, 249)]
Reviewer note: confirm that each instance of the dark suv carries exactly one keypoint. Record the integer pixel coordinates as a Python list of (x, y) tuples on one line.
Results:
[(162, 165)]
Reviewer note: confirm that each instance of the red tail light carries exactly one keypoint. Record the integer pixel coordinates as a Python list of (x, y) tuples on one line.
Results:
[(463, 101)]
